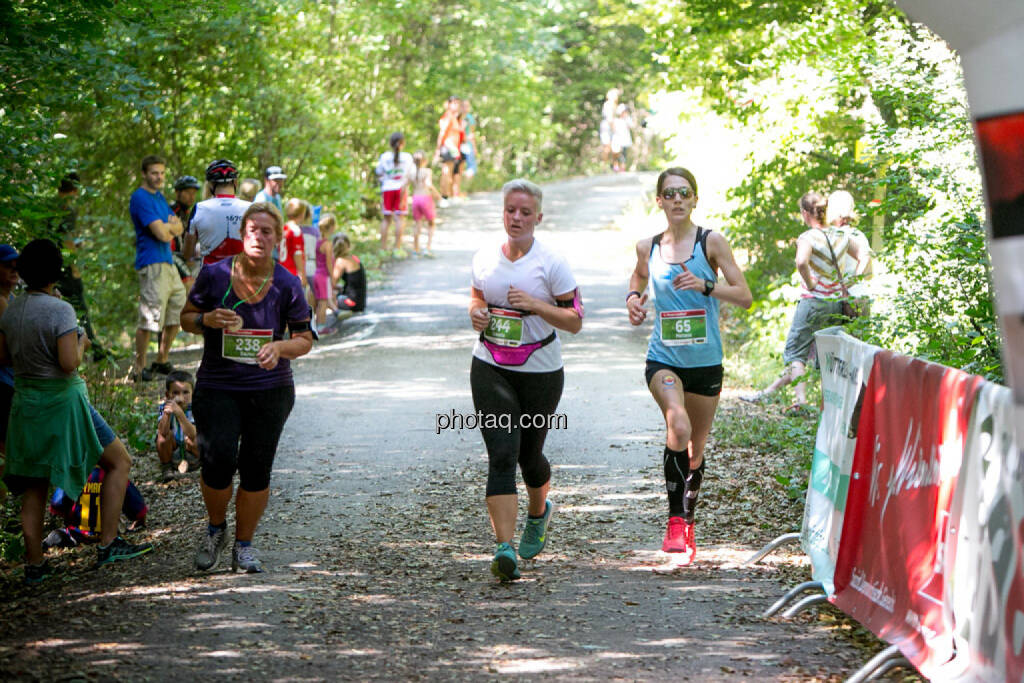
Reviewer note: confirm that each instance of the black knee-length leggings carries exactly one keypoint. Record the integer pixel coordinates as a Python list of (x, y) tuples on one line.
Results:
[(499, 391)]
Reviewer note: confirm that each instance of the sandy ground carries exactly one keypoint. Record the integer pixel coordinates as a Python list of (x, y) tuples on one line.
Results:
[(376, 542)]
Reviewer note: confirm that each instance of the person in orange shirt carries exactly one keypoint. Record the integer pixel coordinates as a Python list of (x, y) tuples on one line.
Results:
[(449, 137)]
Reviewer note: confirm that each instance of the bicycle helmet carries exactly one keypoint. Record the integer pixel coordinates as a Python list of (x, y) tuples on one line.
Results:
[(185, 182), (221, 171)]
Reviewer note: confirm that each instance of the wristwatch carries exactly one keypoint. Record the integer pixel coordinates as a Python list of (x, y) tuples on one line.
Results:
[(199, 320), (709, 286)]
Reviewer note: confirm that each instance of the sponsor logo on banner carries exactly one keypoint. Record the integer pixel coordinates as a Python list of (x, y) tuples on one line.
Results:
[(845, 365), (985, 600), (890, 569)]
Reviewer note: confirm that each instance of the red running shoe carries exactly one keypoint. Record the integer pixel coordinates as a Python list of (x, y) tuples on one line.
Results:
[(691, 545), (675, 536)]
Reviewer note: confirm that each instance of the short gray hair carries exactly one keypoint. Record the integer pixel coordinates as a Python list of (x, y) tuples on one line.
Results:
[(525, 186)]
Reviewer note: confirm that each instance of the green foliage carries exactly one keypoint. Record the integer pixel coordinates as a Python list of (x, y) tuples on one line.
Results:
[(809, 82), (316, 87)]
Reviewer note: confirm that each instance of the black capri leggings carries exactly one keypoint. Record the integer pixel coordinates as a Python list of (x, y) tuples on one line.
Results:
[(239, 430), (499, 391)]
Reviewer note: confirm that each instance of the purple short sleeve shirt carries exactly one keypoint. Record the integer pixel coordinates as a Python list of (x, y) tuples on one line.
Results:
[(284, 303)]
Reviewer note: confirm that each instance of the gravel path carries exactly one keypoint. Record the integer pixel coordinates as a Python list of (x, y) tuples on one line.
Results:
[(376, 539)]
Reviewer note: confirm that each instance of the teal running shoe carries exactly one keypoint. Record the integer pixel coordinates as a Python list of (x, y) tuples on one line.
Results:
[(120, 549), (535, 534), (504, 565)]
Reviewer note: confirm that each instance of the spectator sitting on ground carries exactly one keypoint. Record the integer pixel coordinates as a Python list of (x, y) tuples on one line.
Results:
[(175, 430), (82, 517), (248, 188), (54, 436), (349, 277)]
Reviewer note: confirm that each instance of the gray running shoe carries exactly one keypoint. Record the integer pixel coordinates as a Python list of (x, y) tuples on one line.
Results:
[(210, 548), (244, 557)]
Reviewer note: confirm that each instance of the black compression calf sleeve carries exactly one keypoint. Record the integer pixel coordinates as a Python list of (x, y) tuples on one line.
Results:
[(677, 466), (693, 482)]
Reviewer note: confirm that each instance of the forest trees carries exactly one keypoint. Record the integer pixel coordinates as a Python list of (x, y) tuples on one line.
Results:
[(809, 83), (316, 87)]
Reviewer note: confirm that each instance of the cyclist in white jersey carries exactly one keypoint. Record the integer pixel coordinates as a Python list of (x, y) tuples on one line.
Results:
[(216, 222)]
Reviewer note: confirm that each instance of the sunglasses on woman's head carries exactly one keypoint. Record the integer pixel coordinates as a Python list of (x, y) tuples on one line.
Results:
[(671, 192)]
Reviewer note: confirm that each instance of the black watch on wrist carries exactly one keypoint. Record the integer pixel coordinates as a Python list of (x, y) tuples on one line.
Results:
[(199, 320), (709, 286)]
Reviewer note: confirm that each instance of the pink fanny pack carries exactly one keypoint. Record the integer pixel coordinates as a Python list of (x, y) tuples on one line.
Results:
[(515, 356)]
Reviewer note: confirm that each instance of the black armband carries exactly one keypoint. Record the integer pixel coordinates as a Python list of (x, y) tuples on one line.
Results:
[(299, 327), (564, 304)]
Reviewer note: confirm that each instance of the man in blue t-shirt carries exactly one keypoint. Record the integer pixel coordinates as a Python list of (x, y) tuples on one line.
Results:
[(161, 293)]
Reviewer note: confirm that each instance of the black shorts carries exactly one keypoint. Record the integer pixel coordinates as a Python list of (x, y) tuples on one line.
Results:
[(704, 381), (239, 431)]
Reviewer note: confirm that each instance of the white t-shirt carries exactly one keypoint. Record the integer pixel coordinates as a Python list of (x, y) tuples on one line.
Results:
[(395, 176), (310, 236), (217, 222), (542, 274)]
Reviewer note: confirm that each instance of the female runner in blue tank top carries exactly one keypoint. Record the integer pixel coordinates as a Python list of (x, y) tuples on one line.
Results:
[(684, 357)]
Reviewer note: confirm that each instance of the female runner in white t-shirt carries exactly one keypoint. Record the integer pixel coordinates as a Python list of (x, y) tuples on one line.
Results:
[(521, 292)]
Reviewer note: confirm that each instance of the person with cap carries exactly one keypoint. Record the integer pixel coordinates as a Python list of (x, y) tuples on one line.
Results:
[(161, 293), (185, 189), (216, 222), (63, 227), (273, 181), (8, 281)]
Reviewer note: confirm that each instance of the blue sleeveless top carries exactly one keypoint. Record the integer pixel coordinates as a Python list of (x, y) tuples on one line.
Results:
[(685, 333)]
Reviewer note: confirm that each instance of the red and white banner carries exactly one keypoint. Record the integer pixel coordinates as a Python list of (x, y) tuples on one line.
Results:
[(985, 557), (910, 443)]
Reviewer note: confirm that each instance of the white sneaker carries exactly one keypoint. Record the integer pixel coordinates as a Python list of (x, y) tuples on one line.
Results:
[(244, 557)]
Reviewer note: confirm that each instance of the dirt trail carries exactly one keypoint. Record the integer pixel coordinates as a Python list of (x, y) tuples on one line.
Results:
[(376, 541)]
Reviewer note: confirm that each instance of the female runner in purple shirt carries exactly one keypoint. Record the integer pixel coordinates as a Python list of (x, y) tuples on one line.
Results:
[(244, 390)]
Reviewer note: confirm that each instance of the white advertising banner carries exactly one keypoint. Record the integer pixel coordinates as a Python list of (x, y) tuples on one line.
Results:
[(985, 594), (845, 367)]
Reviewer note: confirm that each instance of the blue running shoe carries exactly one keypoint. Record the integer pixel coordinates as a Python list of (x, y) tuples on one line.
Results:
[(504, 564), (535, 534)]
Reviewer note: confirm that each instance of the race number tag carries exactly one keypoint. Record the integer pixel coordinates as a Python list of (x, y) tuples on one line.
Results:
[(682, 328), (505, 328), (242, 345)]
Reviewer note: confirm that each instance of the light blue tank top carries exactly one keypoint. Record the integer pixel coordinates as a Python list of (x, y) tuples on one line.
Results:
[(685, 333)]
